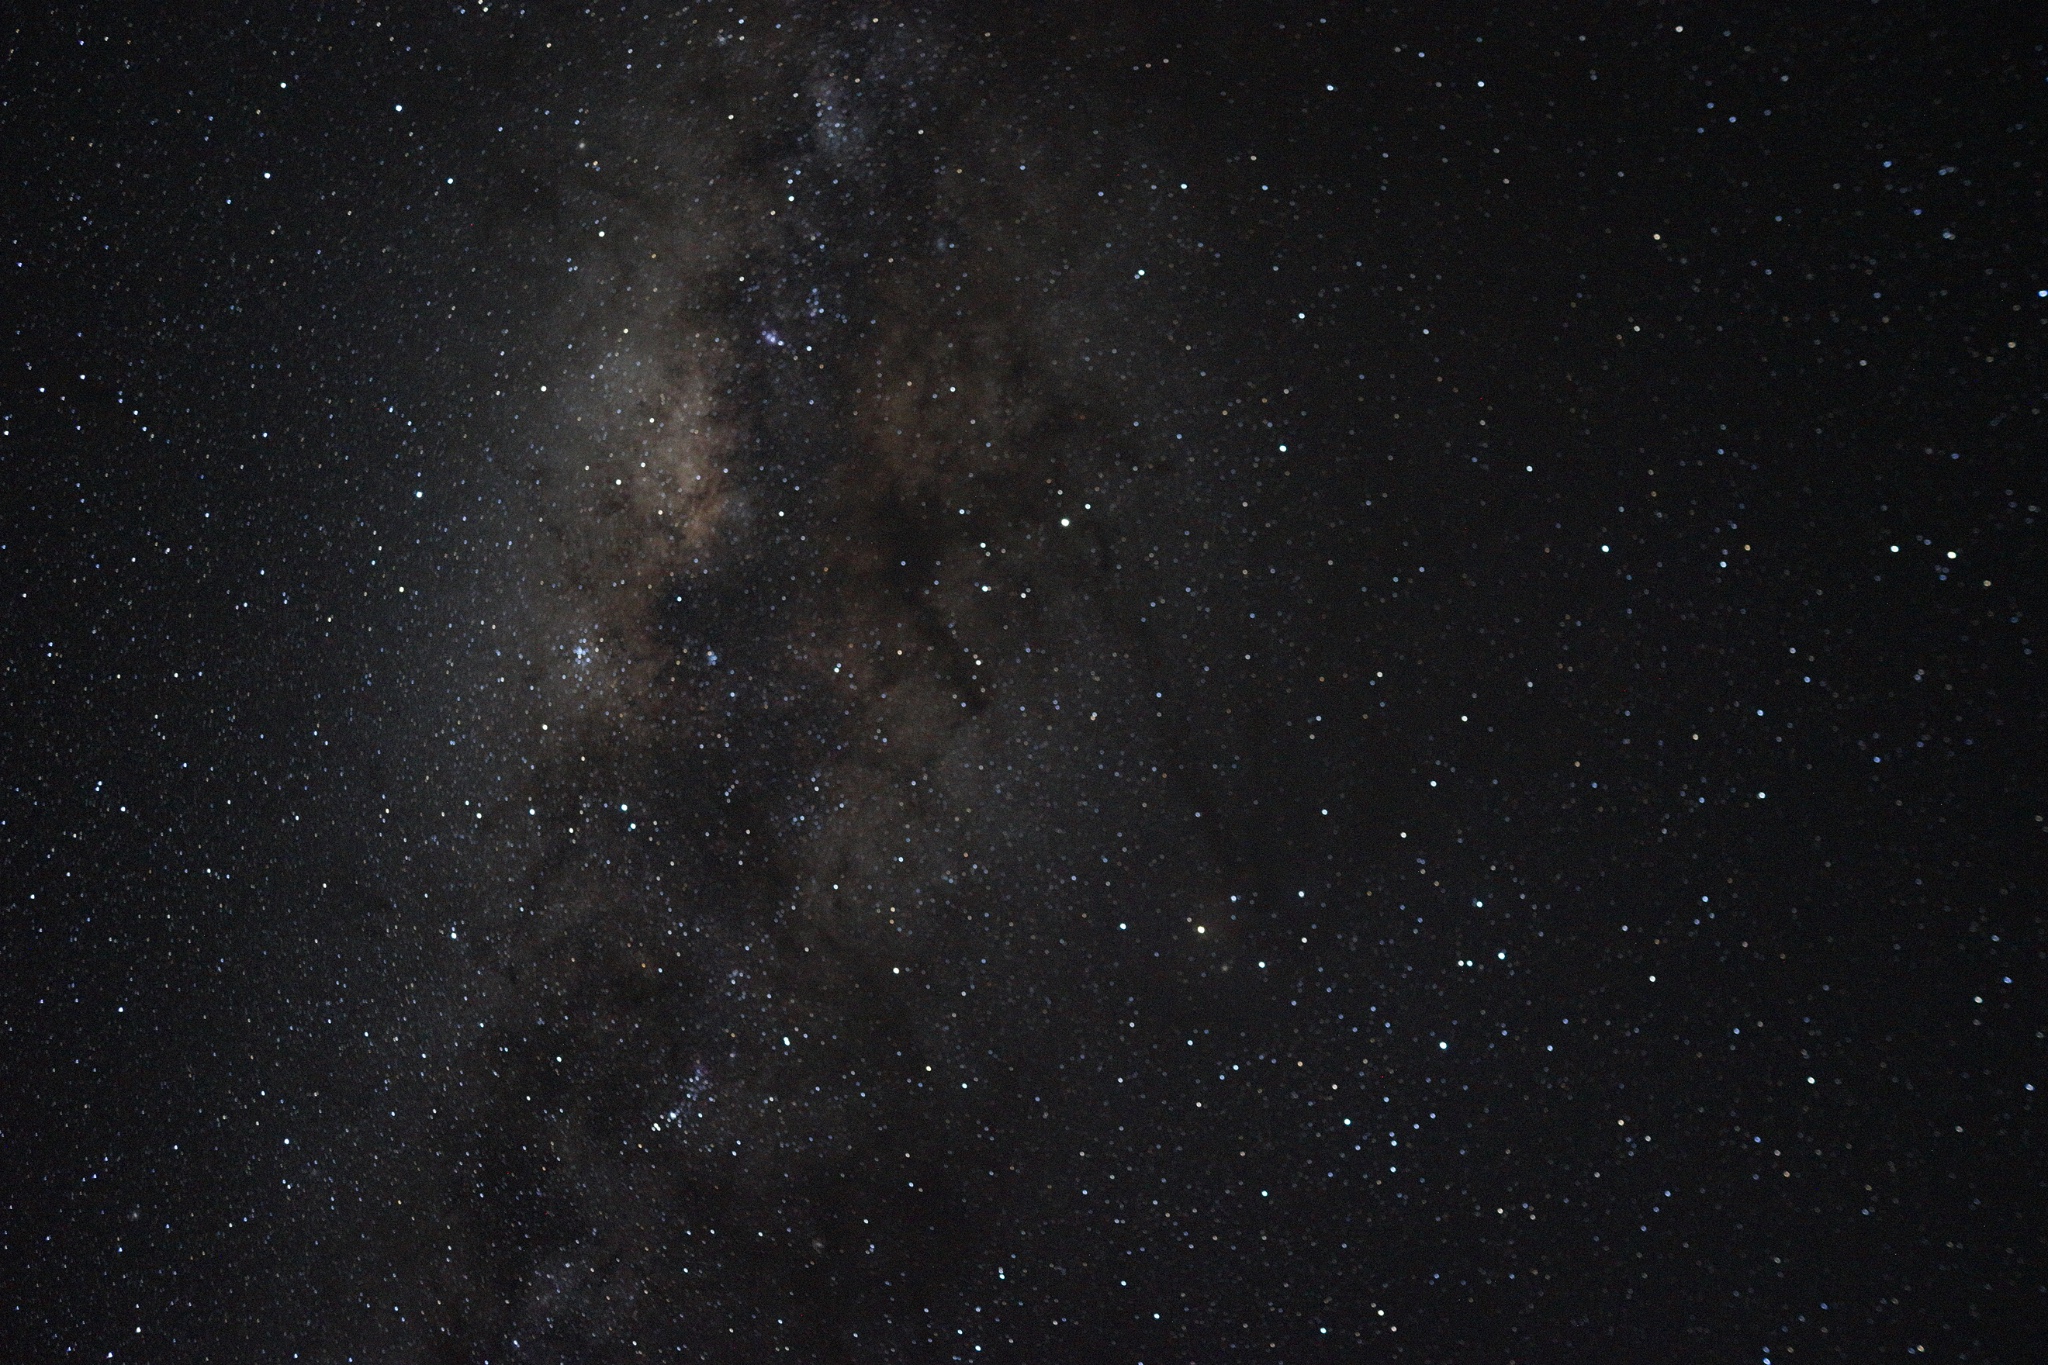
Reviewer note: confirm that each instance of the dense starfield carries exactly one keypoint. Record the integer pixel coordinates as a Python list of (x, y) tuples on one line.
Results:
[(949, 682)]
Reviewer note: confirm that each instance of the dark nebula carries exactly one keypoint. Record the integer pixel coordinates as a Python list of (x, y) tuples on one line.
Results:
[(963, 682)]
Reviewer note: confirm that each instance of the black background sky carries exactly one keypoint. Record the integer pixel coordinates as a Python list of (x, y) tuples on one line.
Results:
[(1537, 505)]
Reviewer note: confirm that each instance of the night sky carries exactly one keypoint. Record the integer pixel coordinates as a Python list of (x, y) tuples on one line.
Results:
[(871, 682)]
